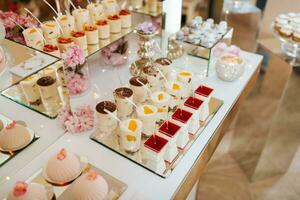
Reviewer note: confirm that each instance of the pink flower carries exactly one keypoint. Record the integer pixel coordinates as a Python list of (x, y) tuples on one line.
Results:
[(80, 121), (77, 84), (220, 49), (73, 56), (234, 50)]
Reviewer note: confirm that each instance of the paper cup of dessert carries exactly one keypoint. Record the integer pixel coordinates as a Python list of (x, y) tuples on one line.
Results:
[(85, 26), (288, 26), (142, 120), (80, 181)]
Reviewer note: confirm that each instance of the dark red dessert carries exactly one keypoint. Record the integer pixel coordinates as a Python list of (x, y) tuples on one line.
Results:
[(64, 40), (78, 34), (50, 48), (182, 115), (155, 143), (169, 128), (204, 91), (124, 12), (113, 17), (102, 22), (194, 103)]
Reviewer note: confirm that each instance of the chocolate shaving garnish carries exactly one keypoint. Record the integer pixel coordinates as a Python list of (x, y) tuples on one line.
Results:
[(137, 80), (108, 105), (46, 81), (123, 92)]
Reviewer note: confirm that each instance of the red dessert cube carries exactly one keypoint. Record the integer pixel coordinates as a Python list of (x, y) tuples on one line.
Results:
[(155, 143), (194, 103), (168, 128), (204, 91), (182, 115)]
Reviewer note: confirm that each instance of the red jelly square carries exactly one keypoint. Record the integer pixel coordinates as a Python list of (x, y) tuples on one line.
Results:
[(155, 143), (194, 103), (204, 91), (182, 115), (168, 128)]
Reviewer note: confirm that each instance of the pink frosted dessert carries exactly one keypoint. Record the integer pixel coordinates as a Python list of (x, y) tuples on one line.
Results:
[(63, 167), (27, 191)]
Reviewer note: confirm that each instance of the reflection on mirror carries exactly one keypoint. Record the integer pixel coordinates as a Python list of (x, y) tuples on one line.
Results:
[(44, 91), (20, 61), (14, 137)]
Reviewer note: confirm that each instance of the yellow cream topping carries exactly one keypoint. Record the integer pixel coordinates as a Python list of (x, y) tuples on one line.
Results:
[(131, 138), (132, 125), (160, 96), (175, 86), (185, 73), (147, 110)]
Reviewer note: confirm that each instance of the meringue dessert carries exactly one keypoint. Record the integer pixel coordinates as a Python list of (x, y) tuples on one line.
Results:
[(82, 17), (204, 93), (124, 108), (148, 115), (153, 151), (130, 135), (14, 136), (67, 23), (30, 90), (103, 29), (115, 23), (96, 12), (34, 38), (164, 65), (138, 84), (106, 123), (62, 167), (91, 34), (64, 43), (28, 191), (162, 101), (170, 131), (51, 32), (80, 39), (125, 18), (90, 186)]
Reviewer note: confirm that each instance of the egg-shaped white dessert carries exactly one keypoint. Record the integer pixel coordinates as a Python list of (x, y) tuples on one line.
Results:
[(90, 186), (63, 167), (28, 191), (14, 136)]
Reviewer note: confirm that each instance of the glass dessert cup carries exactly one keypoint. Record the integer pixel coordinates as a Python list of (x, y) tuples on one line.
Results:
[(148, 115), (194, 105), (124, 107), (51, 32), (204, 93), (140, 93), (182, 118), (103, 29), (164, 65), (175, 89), (33, 38), (106, 124), (82, 17), (80, 39), (52, 49), (125, 18), (91, 34), (49, 93), (153, 77), (153, 152), (130, 135), (115, 23), (30, 90), (64, 43), (170, 131), (67, 23), (96, 12), (162, 101), (185, 77)]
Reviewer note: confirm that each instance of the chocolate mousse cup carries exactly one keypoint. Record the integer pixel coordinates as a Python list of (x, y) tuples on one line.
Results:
[(124, 107), (140, 93), (49, 93), (164, 65), (153, 77), (106, 123)]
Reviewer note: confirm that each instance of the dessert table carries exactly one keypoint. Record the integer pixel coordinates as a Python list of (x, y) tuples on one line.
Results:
[(142, 184)]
